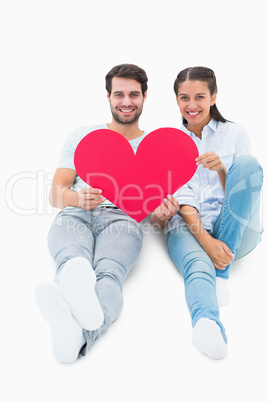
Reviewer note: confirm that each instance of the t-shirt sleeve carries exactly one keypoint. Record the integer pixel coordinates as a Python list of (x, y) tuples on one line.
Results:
[(67, 153)]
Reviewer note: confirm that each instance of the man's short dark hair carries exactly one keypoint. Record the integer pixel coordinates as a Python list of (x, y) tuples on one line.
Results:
[(130, 71)]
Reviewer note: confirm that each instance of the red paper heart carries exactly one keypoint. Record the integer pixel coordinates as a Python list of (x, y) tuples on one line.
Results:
[(137, 184)]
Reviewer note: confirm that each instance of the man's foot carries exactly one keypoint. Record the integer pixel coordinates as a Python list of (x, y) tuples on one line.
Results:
[(207, 338), (67, 334), (77, 284), (222, 291)]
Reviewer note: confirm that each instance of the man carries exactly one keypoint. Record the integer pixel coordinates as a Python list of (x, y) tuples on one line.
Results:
[(94, 244)]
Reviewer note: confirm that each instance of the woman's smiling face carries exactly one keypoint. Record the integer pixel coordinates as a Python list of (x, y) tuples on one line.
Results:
[(194, 100)]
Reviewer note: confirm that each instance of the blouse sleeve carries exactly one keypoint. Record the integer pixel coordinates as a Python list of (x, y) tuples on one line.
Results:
[(189, 193), (242, 146)]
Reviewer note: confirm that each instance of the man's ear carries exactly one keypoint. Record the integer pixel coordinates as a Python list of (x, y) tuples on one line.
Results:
[(144, 96)]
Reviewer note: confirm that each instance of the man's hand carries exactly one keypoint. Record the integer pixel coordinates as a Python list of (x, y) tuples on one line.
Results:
[(89, 198)]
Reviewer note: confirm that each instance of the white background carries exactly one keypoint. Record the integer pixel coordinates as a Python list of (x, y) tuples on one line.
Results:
[(55, 55)]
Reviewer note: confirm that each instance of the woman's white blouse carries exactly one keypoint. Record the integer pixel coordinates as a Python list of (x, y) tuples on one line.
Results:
[(204, 190)]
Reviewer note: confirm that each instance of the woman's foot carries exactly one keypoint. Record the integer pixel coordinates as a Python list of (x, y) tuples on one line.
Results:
[(207, 338), (222, 291)]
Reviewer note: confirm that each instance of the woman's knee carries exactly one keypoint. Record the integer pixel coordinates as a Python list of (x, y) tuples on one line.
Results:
[(246, 165)]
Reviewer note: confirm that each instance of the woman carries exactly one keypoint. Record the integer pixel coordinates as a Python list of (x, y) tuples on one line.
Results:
[(214, 218)]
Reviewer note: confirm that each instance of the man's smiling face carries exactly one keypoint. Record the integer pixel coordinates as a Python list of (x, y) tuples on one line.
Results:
[(126, 100)]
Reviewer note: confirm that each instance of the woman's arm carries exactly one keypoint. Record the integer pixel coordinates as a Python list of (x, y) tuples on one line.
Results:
[(218, 251), (211, 161)]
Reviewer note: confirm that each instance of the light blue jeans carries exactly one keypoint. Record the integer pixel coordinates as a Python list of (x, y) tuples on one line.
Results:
[(238, 226), (111, 241)]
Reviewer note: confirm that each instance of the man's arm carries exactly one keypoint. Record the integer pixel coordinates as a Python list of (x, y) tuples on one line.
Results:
[(217, 250), (62, 196)]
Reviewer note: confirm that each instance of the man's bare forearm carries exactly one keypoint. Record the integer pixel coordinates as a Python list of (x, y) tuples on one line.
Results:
[(61, 197)]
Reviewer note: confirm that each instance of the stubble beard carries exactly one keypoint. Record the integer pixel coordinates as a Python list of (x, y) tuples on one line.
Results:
[(132, 121)]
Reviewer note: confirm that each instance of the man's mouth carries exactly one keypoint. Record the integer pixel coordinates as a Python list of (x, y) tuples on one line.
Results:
[(126, 110)]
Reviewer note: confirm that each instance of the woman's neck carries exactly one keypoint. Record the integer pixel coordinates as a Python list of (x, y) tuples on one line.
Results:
[(198, 128)]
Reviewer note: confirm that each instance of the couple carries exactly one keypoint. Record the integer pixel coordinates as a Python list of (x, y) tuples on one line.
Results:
[(210, 222)]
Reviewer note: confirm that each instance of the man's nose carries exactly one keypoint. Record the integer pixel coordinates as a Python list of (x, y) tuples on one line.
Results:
[(126, 100)]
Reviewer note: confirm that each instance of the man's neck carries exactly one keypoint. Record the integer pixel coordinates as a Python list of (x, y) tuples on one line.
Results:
[(129, 131)]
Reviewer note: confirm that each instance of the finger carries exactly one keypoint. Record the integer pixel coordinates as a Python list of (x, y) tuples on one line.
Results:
[(164, 209), (174, 202), (90, 204), (222, 264), (159, 213), (171, 209), (223, 259), (205, 155), (210, 158), (212, 165), (228, 252), (91, 197), (95, 191), (170, 206), (90, 190), (219, 268)]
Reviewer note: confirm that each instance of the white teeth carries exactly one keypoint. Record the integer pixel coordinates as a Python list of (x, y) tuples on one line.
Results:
[(126, 110), (192, 114)]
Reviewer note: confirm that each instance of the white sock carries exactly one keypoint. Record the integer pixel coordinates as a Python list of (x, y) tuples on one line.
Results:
[(222, 291), (77, 285), (207, 338), (67, 334)]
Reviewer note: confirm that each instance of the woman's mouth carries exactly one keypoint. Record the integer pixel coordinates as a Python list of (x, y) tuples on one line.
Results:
[(193, 114)]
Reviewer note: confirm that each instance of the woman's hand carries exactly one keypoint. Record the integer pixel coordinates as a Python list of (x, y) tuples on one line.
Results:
[(218, 252), (164, 212), (211, 161), (167, 209)]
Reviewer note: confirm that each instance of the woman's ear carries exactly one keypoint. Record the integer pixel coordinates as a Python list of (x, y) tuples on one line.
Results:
[(213, 99)]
